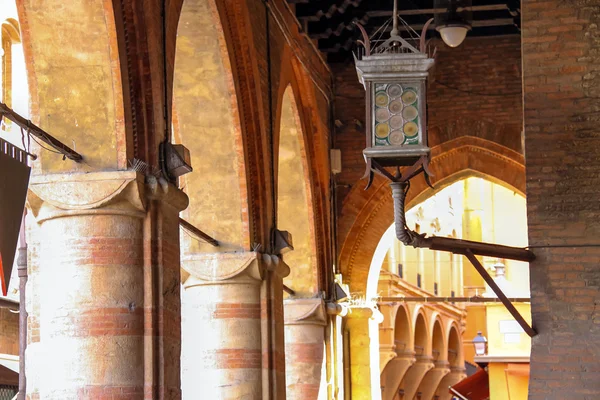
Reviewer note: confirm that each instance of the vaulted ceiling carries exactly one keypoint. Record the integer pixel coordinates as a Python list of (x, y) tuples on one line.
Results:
[(331, 23)]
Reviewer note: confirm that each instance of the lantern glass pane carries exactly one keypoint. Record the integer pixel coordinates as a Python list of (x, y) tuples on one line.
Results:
[(396, 119)]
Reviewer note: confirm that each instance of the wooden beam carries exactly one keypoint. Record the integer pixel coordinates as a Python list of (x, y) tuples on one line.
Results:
[(432, 11), (437, 299), (40, 133)]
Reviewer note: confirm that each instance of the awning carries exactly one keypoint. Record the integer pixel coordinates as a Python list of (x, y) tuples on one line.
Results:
[(474, 387), (8, 377)]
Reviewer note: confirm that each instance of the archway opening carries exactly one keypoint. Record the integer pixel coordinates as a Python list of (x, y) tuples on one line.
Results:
[(437, 342), (206, 121), (472, 207), (454, 349), (402, 332), (294, 204), (421, 336)]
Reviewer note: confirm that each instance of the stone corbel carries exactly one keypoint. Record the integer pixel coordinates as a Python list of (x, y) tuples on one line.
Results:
[(276, 265), (387, 353), (61, 195), (337, 309), (305, 312)]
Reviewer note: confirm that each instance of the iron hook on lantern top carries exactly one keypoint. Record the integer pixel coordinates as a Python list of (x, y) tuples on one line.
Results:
[(394, 74)]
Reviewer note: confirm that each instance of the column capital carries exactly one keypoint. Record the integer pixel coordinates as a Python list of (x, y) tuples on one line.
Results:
[(365, 312), (305, 312), (213, 268), (113, 192)]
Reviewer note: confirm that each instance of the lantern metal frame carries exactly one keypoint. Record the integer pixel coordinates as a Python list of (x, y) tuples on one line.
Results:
[(395, 61)]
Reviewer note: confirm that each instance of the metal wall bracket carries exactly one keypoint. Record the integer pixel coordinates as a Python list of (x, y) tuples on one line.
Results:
[(39, 133), (507, 303)]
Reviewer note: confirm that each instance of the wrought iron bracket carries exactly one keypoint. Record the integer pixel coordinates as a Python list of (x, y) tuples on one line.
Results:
[(467, 248), (421, 165), (507, 303)]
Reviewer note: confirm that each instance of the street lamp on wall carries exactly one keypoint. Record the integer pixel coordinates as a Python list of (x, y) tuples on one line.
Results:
[(480, 344)]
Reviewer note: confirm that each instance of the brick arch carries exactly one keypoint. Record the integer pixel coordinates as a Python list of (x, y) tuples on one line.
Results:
[(315, 154), (207, 121), (371, 212), (295, 196), (75, 86)]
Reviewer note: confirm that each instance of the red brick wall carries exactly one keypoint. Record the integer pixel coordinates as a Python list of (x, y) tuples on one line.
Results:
[(487, 104), (9, 332), (562, 138)]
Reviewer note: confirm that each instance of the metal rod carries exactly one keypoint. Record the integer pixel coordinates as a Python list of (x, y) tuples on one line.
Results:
[(459, 246), (494, 286), (456, 246), (197, 232), (395, 19), (22, 271), (474, 299), (289, 291), (40, 133)]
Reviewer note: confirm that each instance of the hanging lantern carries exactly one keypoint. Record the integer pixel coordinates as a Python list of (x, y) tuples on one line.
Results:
[(394, 75)]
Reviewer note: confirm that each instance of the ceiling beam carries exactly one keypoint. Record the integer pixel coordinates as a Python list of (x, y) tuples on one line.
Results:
[(475, 24), (432, 11)]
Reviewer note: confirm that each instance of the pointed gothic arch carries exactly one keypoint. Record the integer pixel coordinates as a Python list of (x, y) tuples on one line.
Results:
[(294, 199), (360, 258)]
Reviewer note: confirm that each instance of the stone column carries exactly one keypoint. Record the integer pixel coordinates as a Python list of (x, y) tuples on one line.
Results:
[(415, 374), (222, 329), (394, 373), (104, 295), (394, 361), (457, 374), (305, 323), (362, 330), (433, 378)]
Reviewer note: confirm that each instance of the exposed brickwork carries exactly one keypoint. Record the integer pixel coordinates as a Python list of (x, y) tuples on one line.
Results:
[(561, 89), (236, 358), (9, 332), (304, 352), (103, 321), (476, 91), (236, 310)]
